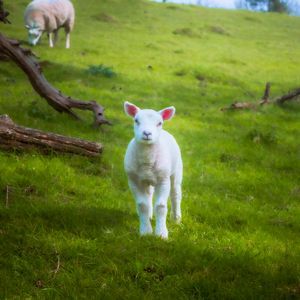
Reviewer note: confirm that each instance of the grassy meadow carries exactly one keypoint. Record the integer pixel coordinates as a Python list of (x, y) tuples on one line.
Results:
[(70, 230)]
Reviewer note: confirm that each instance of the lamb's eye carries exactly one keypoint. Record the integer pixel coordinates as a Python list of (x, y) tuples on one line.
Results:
[(159, 124), (137, 122)]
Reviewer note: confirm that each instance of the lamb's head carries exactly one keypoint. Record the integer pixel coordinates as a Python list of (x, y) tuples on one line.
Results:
[(34, 34), (147, 122)]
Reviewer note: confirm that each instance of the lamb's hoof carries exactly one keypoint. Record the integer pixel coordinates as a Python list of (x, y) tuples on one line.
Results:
[(162, 234), (176, 219), (146, 231)]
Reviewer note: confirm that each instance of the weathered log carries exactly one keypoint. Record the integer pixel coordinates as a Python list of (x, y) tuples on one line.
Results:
[(15, 137)]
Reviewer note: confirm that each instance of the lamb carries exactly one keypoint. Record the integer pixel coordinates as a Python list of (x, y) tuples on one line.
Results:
[(153, 165), (48, 16)]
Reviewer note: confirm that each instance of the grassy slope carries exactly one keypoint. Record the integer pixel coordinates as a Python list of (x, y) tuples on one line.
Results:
[(240, 233)]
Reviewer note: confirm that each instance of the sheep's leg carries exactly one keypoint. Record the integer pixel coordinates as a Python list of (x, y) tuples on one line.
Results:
[(55, 36), (162, 192), (67, 31), (50, 39), (148, 193), (176, 197), (144, 206), (68, 40)]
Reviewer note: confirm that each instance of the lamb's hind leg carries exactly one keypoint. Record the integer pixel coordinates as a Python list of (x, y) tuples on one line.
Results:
[(144, 206), (176, 196)]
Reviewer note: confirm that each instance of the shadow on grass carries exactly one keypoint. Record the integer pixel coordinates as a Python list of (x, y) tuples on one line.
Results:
[(58, 72), (231, 273), (54, 72), (85, 222)]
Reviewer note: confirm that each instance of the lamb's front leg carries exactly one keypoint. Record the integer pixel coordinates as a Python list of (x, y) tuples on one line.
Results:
[(162, 191), (143, 197)]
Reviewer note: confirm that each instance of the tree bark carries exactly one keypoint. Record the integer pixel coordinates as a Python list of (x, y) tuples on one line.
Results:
[(15, 137)]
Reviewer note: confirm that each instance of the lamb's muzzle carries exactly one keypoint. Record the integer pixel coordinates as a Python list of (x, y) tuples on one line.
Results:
[(153, 166)]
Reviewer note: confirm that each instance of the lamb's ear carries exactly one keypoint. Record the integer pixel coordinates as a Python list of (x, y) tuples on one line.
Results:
[(167, 113), (130, 109), (27, 26)]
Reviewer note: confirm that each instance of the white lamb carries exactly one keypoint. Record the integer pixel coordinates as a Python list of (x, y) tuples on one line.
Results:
[(49, 16), (153, 165)]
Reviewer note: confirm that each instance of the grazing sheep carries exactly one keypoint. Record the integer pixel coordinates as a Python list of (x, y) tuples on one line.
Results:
[(49, 16), (153, 165)]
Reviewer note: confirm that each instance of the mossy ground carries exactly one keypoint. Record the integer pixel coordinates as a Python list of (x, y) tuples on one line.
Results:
[(239, 238)]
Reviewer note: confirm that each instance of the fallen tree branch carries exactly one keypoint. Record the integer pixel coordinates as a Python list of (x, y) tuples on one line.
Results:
[(290, 96), (14, 137), (25, 60), (265, 100)]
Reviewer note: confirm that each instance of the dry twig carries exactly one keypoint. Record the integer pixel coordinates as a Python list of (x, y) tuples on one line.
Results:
[(7, 190), (265, 98), (55, 271)]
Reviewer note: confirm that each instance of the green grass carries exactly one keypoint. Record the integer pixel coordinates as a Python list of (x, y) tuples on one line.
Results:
[(239, 238)]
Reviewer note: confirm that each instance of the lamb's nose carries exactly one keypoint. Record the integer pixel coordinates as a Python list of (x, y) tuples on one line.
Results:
[(146, 133)]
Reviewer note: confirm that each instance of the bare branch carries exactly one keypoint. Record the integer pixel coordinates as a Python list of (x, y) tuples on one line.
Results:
[(24, 59), (290, 96), (265, 98)]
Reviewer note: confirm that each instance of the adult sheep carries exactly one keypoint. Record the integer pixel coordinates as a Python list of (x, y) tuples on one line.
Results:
[(48, 16), (153, 165)]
